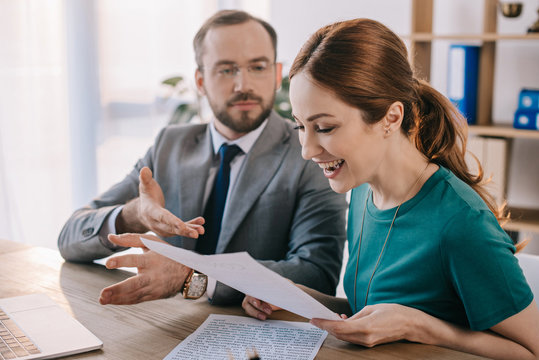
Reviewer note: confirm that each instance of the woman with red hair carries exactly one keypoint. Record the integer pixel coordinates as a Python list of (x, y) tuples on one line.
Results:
[(428, 259)]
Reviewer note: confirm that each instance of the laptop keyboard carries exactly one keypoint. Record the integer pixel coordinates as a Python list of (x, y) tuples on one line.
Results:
[(13, 342)]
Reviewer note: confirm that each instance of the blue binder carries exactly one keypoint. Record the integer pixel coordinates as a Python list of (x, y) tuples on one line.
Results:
[(462, 79)]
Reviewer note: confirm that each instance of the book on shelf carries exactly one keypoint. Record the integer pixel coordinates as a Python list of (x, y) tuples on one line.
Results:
[(492, 154)]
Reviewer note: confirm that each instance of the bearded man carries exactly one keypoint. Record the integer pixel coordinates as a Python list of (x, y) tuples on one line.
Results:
[(239, 179)]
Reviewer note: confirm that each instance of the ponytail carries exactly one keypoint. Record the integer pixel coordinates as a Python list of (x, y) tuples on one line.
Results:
[(440, 134), (366, 65)]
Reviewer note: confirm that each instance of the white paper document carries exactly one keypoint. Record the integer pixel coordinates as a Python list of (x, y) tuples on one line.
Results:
[(232, 337), (243, 273)]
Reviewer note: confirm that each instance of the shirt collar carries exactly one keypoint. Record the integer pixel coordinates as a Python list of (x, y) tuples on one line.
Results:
[(245, 142)]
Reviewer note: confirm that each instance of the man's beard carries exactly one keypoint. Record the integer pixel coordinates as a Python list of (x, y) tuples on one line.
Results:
[(245, 123)]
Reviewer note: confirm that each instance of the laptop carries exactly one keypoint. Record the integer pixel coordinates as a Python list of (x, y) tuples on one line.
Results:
[(35, 327)]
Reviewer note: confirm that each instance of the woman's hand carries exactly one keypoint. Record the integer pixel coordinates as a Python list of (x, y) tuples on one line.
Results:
[(373, 325), (258, 308)]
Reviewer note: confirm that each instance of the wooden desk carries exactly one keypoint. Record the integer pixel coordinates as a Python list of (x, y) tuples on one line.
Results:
[(152, 329)]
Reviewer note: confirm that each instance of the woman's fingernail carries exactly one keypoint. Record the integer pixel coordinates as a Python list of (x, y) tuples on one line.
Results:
[(261, 317)]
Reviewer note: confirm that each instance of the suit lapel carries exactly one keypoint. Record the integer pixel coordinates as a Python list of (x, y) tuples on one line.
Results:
[(259, 167), (193, 174)]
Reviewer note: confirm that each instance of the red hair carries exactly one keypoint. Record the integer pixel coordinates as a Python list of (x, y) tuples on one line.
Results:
[(366, 65)]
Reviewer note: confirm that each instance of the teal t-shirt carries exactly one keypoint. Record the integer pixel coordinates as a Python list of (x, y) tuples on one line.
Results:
[(446, 255)]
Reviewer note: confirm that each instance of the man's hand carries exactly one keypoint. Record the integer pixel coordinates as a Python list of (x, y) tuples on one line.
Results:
[(148, 213), (158, 276)]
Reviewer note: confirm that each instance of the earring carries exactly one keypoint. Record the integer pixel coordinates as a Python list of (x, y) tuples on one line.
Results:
[(386, 128)]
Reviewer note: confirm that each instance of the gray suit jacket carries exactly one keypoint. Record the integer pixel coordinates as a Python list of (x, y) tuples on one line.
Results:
[(281, 209)]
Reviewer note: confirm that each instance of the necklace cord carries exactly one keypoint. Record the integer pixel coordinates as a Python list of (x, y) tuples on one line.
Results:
[(385, 241)]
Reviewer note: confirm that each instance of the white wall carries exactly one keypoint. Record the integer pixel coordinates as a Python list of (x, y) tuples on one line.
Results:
[(296, 20), (48, 69), (35, 186), (141, 43)]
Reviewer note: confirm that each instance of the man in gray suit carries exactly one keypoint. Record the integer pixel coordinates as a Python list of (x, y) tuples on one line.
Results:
[(279, 208)]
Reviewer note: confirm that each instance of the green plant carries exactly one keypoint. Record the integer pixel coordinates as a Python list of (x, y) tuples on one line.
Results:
[(186, 111), (282, 101)]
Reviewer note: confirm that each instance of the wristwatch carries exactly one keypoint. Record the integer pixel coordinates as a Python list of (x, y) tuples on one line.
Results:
[(194, 285)]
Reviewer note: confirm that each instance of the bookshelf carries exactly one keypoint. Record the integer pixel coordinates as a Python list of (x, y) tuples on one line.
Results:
[(485, 37), (523, 220), (503, 132), (421, 39)]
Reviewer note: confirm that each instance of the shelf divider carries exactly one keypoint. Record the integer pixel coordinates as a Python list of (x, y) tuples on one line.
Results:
[(484, 37), (503, 131), (486, 65), (523, 220), (420, 52)]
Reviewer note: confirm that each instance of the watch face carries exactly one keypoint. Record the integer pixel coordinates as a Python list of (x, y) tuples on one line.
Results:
[(197, 287)]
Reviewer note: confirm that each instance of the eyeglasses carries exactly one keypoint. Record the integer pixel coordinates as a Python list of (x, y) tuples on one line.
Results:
[(257, 69)]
